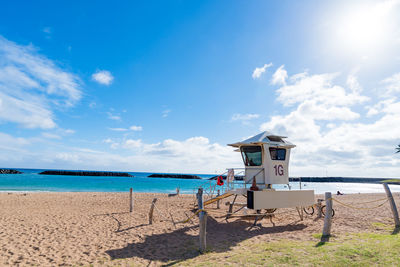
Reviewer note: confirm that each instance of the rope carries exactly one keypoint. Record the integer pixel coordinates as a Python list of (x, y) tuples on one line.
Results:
[(357, 208), (160, 213), (188, 219)]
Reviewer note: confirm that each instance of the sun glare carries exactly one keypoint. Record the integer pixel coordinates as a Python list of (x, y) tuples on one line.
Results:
[(366, 28)]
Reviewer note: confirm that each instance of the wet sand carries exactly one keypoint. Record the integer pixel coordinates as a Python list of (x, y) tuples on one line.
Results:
[(52, 229)]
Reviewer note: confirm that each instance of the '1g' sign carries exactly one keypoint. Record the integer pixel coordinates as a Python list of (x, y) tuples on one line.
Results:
[(278, 170)]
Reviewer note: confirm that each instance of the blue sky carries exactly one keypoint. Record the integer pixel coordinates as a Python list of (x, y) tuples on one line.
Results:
[(165, 85)]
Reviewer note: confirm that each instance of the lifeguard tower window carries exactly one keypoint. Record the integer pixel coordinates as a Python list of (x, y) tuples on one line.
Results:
[(277, 153), (251, 155)]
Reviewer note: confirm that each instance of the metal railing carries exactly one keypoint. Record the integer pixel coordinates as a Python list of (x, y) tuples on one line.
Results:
[(210, 187)]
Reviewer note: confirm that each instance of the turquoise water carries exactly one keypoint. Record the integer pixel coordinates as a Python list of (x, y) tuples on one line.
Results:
[(30, 181)]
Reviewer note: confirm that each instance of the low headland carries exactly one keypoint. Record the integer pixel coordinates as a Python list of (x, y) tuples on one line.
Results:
[(86, 173)]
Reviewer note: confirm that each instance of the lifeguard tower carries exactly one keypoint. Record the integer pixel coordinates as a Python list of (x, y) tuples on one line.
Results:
[(266, 163)]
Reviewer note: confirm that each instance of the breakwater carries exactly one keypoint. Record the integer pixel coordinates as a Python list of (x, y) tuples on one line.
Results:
[(178, 176), (9, 171), (86, 173)]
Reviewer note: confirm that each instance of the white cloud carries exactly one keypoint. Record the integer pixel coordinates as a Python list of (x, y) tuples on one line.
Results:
[(113, 144), (51, 135), (259, 71), (32, 85), (118, 129), (392, 84), (330, 135), (103, 77), (47, 30), (136, 128), (132, 128), (192, 155), (165, 113), (113, 116), (195, 154), (244, 118), (69, 131), (280, 75)]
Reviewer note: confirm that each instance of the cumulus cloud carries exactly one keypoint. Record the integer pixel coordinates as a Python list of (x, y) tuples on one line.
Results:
[(192, 155), (195, 154), (31, 85), (392, 84), (280, 75), (103, 77), (330, 135), (259, 71)]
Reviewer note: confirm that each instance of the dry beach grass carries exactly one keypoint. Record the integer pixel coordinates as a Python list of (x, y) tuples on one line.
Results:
[(46, 229)]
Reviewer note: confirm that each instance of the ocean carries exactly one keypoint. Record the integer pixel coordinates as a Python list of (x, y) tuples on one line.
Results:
[(32, 181)]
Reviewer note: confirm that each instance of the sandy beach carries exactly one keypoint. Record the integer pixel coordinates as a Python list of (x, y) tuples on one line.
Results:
[(49, 229)]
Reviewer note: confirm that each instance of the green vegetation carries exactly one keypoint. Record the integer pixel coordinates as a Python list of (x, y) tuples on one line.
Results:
[(392, 181), (350, 250)]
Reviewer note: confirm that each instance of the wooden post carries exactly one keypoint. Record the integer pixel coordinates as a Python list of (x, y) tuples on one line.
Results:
[(130, 200), (153, 203), (202, 221), (326, 232), (319, 208), (392, 205), (218, 199)]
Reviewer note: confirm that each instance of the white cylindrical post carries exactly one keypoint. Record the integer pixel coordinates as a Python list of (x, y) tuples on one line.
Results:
[(392, 205), (326, 232)]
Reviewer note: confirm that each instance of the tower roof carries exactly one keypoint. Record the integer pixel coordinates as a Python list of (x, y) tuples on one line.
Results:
[(265, 138)]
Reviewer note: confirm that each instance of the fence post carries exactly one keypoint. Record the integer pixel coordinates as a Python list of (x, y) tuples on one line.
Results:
[(153, 203), (130, 200), (326, 232), (319, 208), (218, 199), (202, 221), (392, 205)]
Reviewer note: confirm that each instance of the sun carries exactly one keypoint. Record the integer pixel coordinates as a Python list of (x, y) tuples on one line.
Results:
[(364, 28)]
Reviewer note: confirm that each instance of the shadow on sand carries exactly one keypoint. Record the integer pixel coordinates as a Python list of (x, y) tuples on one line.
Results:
[(182, 244)]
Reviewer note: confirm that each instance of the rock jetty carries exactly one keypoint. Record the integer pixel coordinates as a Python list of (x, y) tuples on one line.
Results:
[(86, 173), (9, 171), (179, 176)]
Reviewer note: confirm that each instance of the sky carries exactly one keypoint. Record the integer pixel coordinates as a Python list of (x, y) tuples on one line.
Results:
[(163, 86)]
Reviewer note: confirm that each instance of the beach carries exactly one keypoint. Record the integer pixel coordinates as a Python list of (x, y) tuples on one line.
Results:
[(51, 229)]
